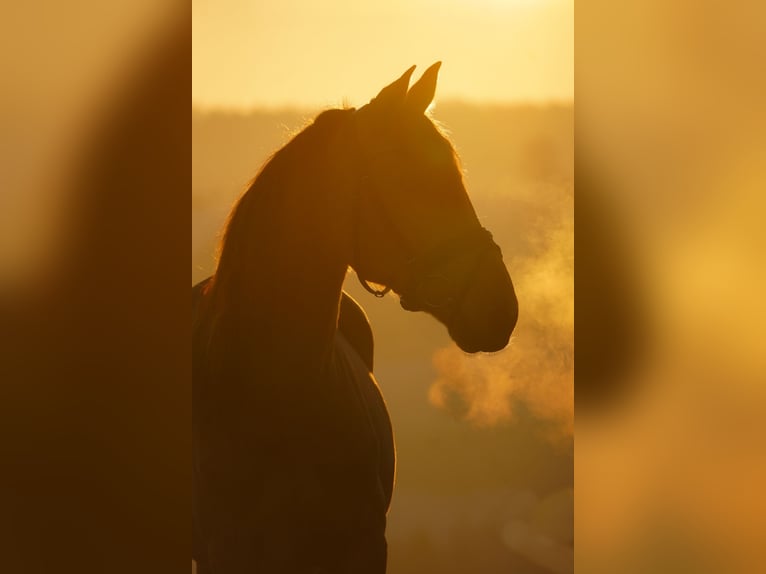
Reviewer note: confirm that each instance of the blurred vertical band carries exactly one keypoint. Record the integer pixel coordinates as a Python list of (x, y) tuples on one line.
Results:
[(95, 406), (669, 282)]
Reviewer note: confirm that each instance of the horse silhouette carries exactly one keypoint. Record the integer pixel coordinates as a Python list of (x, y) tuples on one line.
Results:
[(293, 461)]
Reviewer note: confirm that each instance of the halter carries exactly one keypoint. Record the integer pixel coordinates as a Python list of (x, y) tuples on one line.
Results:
[(379, 293), (428, 285)]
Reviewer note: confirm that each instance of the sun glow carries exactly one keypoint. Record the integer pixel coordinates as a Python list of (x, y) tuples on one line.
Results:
[(493, 50), (512, 3)]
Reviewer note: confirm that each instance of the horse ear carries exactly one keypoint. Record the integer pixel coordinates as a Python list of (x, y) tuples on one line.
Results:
[(422, 92), (396, 92)]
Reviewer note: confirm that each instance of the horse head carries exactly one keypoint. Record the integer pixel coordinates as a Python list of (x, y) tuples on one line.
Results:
[(417, 231)]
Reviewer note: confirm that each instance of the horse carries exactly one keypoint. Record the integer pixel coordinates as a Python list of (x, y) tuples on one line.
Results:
[(294, 459)]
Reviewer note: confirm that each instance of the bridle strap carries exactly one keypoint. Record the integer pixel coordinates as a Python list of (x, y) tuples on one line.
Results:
[(361, 178), (356, 215)]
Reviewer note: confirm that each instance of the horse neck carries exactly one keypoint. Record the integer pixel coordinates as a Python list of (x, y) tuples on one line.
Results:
[(290, 244)]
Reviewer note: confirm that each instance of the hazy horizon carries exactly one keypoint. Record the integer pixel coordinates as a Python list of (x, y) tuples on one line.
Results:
[(310, 110), (438, 103)]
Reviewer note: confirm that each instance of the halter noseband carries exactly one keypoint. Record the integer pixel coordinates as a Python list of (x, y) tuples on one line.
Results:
[(432, 285), (428, 286)]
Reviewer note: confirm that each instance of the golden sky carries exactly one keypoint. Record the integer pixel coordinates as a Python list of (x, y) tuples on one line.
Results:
[(310, 53)]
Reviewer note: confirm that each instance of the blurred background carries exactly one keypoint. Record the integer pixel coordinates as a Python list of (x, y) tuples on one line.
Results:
[(95, 401), (671, 396), (66, 68), (484, 444)]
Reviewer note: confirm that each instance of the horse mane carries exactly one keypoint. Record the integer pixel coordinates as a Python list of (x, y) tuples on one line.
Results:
[(252, 218)]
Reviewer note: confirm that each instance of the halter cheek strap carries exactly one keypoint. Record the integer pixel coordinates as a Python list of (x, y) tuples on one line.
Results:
[(357, 216)]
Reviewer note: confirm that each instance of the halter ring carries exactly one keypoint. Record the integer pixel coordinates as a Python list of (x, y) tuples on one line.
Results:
[(377, 292)]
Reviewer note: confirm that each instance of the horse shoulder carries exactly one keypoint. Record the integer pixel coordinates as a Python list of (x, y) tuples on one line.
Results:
[(355, 327)]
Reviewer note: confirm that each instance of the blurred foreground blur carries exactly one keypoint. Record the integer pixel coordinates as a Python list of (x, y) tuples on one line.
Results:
[(671, 371), (95, 407)]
